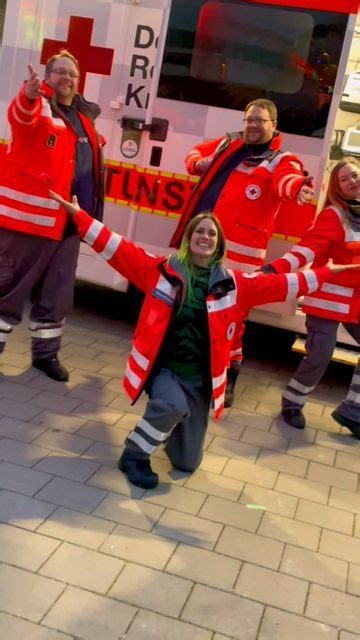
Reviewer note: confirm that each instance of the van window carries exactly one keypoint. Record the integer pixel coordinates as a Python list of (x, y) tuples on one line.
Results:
[(225, 54)]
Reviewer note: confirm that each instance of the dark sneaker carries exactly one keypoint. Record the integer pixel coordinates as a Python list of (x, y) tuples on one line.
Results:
[(294, 417), (138, 471), (346, 422), (52, 368), (229, 397), (231, 377)]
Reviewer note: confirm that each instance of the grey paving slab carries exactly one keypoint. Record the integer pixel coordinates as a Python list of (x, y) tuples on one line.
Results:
[(21, 410), (152, 626), (150, 589), (66, 466), (251, 547), (65, 442), (79, 528), (315, 567), (188, 528), (112, 480), (214, 484), (21, 453), (342, 499), (24, 549), (21, 479), (207, 567), (66, 493), (272, 587), (282, 626), (26, 594), (326, 517), (126, 510), (13, 628), (112, 435), (101, 413), (89, 616), (20, 430), (225, 512), (18, 392), (23, 511), (232, 449), (275, 501), (335, 477), (82, 568), (223, 612), (176, 497), (58, 421), (334, 608), (55, 402), (138, 546), (290, 531), (253, 473), (341, 546)]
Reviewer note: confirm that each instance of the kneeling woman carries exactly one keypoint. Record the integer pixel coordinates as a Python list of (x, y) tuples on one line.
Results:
[(184, 335)]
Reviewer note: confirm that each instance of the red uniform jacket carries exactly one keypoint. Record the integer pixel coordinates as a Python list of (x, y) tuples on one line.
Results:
[(230, 298), (330, 237), (251, 196), (41, 156)]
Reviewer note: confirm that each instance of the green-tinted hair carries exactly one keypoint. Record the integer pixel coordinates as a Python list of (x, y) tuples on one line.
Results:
[(184, 254)]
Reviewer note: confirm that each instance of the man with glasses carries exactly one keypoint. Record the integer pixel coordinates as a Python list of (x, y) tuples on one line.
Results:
[(244, 178), (55, 146)]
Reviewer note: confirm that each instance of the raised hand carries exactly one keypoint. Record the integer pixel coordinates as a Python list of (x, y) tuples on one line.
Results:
[(202, 165), (71, 207), (32, 86), (305, 195)]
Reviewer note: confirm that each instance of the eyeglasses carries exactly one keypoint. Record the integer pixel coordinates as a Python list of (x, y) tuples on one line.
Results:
[(257, 121), (65, 72)]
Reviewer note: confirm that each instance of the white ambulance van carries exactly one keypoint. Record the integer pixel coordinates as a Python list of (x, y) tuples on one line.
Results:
[(171, 73)]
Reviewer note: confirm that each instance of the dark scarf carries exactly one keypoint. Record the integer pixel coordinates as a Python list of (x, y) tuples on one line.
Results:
[(352, 211)]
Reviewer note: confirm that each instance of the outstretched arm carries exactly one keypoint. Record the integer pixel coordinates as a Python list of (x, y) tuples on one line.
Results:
[(124, 256), (259, 288)]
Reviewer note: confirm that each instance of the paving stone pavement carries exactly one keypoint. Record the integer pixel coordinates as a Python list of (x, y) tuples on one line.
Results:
[(262, 542)]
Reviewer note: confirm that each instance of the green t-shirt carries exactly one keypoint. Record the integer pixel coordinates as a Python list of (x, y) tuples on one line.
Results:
[(186, 349)]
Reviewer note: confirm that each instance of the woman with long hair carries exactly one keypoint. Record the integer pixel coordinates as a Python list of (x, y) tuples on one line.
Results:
[(182, 342), (334, 235)]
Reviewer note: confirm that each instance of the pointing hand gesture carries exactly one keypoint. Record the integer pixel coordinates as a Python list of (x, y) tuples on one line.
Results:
[(32, 86)]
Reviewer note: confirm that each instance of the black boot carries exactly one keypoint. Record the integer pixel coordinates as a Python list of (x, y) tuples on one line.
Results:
[(52, 368), (346, 422), (138, 470), (231, 377), (294, 417)]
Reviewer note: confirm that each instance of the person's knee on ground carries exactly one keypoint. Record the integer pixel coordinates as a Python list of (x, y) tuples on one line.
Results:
[(151, 431)]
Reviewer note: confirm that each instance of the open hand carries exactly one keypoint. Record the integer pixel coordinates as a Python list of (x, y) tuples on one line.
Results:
[(72, 207), (32, 86), (339, 268), (305, 195)]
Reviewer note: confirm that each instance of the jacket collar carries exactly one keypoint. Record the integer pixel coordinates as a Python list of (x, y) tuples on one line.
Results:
[(89, 109), (220, 278)]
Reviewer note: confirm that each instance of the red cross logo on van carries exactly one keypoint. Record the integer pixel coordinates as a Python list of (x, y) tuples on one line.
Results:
[(91, 59)]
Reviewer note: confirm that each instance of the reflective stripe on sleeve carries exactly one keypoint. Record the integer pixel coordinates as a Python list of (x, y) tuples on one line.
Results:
[(141, 360)]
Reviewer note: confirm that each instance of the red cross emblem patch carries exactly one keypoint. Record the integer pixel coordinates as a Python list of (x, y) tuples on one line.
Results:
[(253, 192)]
